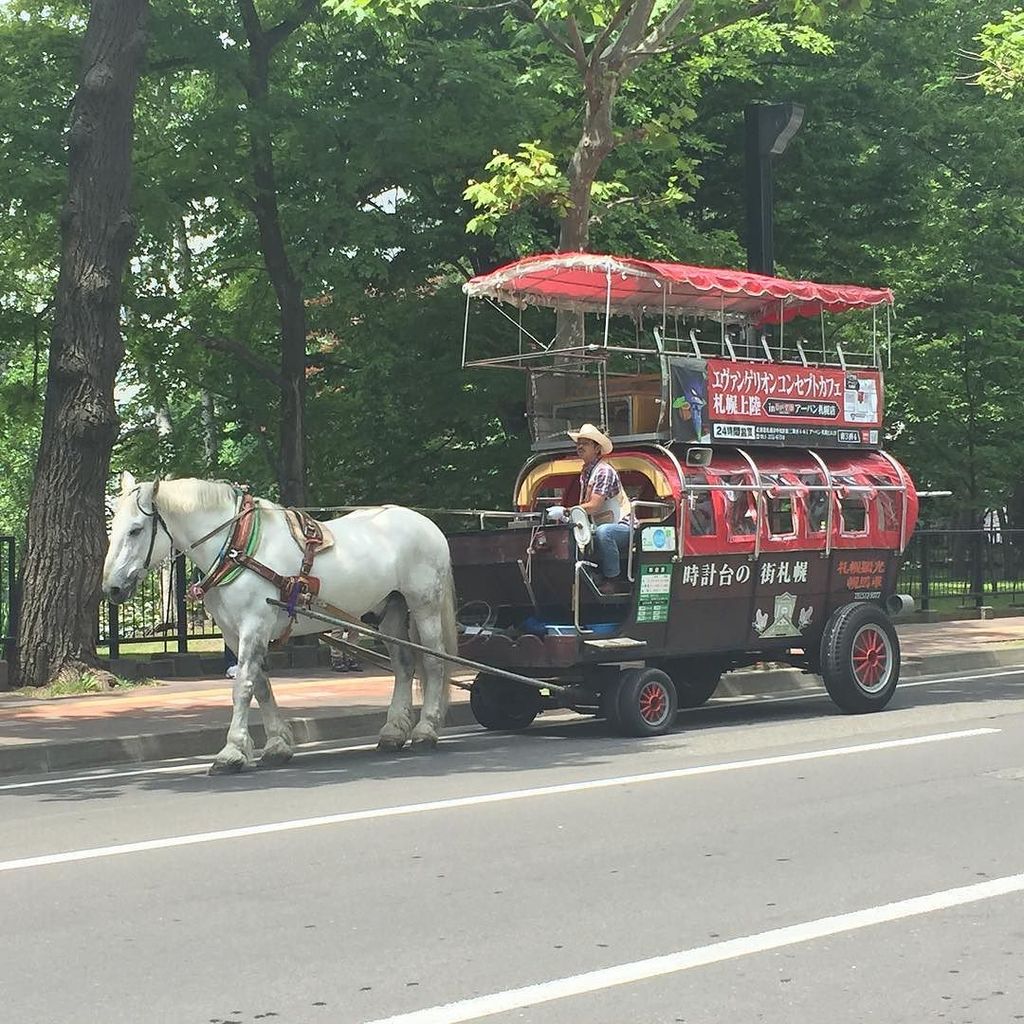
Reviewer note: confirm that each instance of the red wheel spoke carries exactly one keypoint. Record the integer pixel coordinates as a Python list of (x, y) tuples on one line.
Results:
[(870, 657), (653, 703)]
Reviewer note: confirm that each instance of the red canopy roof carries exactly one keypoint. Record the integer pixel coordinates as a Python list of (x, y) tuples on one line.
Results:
[(594, 282)]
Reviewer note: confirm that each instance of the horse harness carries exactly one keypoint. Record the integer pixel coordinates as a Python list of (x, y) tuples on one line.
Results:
[(237, 555)]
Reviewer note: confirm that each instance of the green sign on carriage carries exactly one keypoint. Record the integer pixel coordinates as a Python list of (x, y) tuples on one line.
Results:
[(655, 591)]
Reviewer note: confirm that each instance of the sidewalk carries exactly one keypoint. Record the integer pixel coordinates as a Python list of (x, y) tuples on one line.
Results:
[(189, 717)]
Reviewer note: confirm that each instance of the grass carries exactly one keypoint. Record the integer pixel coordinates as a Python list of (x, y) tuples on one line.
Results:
[(79, 685), (214, 645)]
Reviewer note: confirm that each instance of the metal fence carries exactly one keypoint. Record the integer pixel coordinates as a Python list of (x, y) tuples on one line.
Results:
[(159, 611), (942, 569), (8, 598), (949, 569)]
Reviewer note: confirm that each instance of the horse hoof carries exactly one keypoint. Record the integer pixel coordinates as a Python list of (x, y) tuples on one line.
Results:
[(275, 756), (424, 742), (390, 744), (226, 767)]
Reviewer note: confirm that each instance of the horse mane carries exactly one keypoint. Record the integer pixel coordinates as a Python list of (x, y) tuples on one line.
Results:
[(191, 495)]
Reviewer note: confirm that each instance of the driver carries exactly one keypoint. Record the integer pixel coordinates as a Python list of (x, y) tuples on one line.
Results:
[(604, 500)]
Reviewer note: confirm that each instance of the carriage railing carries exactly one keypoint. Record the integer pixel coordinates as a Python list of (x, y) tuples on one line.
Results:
[(760, 348), (662, 510), (675, 335)]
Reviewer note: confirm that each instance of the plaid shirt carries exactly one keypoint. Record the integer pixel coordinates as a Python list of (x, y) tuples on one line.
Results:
[(604, 480)]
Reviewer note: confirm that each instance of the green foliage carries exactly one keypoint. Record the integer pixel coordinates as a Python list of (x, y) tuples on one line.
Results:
[(1002, 55), (654, 114), (904, 174), (529, 176), (369, 10)]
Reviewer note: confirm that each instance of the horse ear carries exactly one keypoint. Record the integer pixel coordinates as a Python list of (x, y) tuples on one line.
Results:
[(127, 482)]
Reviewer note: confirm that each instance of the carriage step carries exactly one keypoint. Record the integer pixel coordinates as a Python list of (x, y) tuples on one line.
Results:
[(615, 643)]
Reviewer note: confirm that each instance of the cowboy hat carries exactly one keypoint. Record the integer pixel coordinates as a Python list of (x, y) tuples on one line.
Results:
[(590, 433)]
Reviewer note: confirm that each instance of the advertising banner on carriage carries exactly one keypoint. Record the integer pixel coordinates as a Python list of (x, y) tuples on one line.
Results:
[(776, 404)]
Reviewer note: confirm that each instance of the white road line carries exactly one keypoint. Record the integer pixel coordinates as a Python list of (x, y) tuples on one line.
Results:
[(194, 768), (684, 960), (198, 838)]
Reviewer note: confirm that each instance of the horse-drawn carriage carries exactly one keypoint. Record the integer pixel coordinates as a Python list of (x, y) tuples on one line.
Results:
[(767, 523)]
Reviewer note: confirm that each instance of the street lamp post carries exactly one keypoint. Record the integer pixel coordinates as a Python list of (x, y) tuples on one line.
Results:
[(769, 127)]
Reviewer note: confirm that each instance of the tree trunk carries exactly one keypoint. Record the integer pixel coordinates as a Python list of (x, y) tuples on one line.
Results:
[(66, 534), (211, 436), (596, 142), (207, 411), (286, 284)]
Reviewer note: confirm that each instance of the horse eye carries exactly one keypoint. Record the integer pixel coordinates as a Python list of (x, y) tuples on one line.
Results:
[(135, 531)]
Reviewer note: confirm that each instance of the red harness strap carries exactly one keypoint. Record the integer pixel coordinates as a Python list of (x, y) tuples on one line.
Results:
[(245, 522), (301, 588)]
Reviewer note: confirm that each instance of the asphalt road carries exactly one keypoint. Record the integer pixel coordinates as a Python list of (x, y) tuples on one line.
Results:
[(768, 861)]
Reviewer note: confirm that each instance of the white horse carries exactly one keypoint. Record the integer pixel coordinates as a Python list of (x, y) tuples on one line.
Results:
[(389, 561)]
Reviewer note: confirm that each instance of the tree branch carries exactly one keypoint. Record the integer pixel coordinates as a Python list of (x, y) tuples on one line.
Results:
[(616, 20), (250, 20), (284, 28), (696, 37), (632, 32), (244, 354), (579, 51), (531, 16), (656, 37)]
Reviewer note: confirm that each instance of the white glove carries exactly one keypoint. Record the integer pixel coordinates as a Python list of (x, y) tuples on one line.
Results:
[(556, 514)]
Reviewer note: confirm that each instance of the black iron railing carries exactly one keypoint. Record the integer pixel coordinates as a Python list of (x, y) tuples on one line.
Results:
[(159, 611), (964, 569), (943, 569)]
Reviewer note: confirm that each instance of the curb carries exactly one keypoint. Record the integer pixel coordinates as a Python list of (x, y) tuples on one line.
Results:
[(204, 741)]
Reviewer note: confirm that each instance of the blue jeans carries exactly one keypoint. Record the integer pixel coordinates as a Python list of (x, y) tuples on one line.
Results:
[(611, 545)]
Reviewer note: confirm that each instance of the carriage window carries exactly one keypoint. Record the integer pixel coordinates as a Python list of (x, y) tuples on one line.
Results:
[(885, 501), (780, 516), (779, 505), (700, 509), (854, 513), (853, 508), (741, 505), (817, 502)]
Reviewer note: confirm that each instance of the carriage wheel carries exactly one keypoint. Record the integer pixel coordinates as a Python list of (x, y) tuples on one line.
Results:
[(695, 679), (502, 704), (647, 702), (860, 658)]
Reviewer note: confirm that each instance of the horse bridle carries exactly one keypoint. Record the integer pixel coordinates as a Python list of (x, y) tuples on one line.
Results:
[(157, 519)]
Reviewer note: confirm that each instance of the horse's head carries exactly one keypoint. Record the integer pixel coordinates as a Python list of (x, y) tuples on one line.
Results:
[(138, 539)]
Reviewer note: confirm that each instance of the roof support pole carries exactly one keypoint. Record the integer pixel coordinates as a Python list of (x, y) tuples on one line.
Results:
[(465, 334)]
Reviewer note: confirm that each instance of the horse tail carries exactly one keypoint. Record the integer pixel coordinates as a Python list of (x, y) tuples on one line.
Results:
[(445, 609)]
